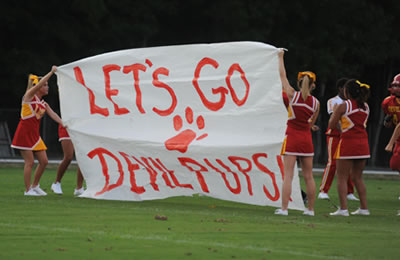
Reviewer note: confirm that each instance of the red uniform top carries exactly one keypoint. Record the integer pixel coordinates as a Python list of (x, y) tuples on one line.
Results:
[(27, 136), (354, 138), (391, 106), (298, 140), (300, 112)]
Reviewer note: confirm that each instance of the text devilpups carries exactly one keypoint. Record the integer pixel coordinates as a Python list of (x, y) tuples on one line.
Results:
[(153, 123)]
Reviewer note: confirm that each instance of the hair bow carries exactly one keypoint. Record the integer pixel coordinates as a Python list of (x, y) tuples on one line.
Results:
[(34, 78), (308, 73), (362, 85)]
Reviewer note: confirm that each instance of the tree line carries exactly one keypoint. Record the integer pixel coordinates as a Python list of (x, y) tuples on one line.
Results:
[(353, 39)]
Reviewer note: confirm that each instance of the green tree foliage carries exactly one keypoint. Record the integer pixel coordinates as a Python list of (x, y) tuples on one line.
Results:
[(356, 39)]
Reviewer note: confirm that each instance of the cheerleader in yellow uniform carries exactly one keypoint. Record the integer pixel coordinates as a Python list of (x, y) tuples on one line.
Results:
[(27, 137)]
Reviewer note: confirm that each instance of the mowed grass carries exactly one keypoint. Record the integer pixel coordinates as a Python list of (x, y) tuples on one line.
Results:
[(198, 227)]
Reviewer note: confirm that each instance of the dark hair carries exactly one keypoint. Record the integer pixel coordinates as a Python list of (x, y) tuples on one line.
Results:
[(357, 91), (340, 83)]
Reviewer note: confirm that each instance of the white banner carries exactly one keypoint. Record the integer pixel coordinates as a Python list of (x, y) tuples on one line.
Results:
[(153, 123)]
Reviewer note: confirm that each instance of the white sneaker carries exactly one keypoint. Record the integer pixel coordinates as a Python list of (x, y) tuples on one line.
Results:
[(399, 197), (340, 212), (398, 213), (30, 192), (308, 212), (351, 196), (364, 212), (39, 191), (323, 196), (281, 212), (78, 192), (56, 188)]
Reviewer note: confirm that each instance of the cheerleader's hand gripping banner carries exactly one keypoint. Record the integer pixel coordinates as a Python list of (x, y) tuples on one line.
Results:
[(153, 123)]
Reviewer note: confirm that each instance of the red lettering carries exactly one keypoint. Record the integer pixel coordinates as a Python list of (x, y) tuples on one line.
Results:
[(234, 160), (271, 174), (232, 69), (173, 177), (159, 84), (154, 166), (186, 161), (94, 109), (214, 106), (112, 92), (150, 170), (236, 190), (132, 167), (148, 62), (163, 175), (135, 69), (100, 153)]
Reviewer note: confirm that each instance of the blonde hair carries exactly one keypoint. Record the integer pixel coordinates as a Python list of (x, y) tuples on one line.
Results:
[(304, 84)]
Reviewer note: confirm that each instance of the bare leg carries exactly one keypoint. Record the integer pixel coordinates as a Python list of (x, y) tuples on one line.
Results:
[(343, 172), (356, 175), (288, 165), (68, 150), (43, 161), (79, 179), (350, 186), (306, 166), (29, 161)]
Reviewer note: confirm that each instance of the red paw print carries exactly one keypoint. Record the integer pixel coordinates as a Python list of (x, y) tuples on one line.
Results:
[(182, 140)]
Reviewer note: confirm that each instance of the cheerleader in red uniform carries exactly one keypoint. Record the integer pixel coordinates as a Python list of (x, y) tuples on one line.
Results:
[(332, 140), (302, 112), (27, 138), (68, 150), (353, 148)]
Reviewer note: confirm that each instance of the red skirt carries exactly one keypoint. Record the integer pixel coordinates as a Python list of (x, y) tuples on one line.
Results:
[(27, 136), (298, 142), (62, 133), (352, 148)]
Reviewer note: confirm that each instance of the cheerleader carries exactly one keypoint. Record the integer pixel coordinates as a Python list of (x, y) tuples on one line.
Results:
[(353, 148), (332, 140), (27, 137), (302, 112), (68, 150)]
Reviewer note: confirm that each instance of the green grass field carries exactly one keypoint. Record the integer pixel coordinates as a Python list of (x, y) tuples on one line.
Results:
[(64, 227)]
